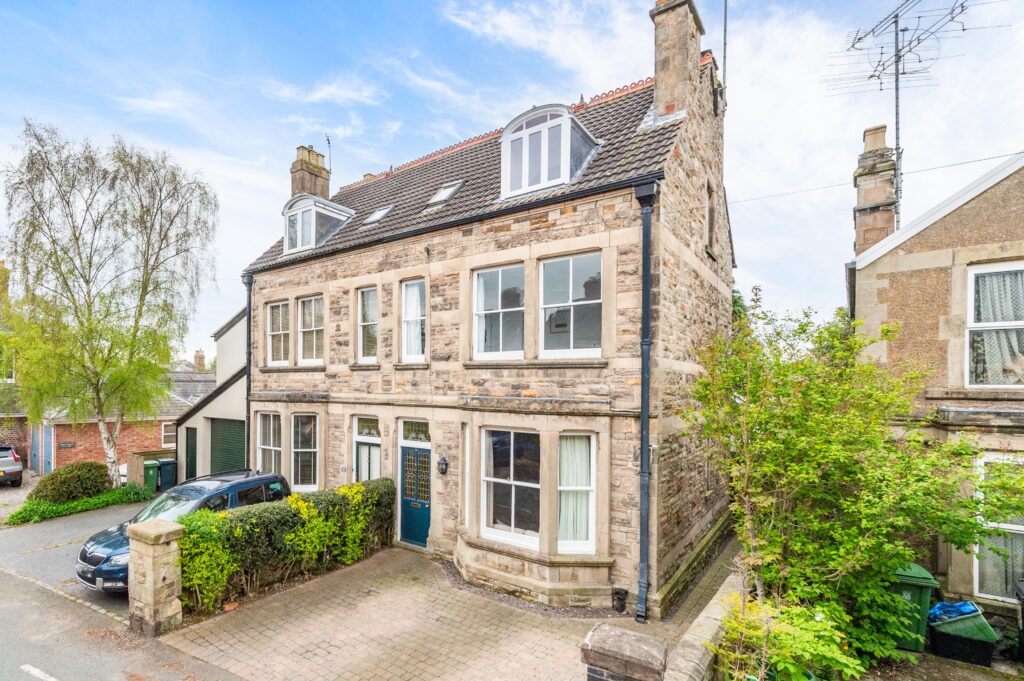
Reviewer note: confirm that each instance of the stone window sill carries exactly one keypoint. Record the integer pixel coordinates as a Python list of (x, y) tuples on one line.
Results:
[(982, 394), (412, 366), (566, 560), (364, 367), (537, 364), (288, 369)]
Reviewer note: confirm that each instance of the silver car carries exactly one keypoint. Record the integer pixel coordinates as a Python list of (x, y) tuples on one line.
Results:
[(10, 466)]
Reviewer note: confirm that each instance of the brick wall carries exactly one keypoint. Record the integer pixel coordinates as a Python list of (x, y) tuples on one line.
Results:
[(137, 436), (14, 431)]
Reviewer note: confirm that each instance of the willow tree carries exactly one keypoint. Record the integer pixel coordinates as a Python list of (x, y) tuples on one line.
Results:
[(109, 247)]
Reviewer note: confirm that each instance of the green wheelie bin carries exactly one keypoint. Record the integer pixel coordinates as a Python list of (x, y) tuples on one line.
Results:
[(150, 475), (914, 584)]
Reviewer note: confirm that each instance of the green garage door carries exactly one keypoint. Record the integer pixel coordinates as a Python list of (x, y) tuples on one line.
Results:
[(227, 445)]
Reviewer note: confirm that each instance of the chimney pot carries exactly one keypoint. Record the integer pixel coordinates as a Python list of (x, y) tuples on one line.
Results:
[(199, 360), (874, 138), (309, 174)]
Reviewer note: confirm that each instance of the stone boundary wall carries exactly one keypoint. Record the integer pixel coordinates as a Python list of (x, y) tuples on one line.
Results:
[(690, 659)]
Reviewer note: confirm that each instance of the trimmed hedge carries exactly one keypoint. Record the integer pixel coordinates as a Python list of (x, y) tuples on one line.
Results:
[(239, 552), (36, 510), (74, 481)]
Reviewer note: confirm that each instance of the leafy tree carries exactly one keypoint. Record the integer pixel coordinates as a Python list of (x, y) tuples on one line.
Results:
[(110, 247), (739, 306), (828, 501)]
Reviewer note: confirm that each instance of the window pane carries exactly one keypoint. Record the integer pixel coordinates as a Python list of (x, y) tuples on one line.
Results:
[(293, 231), (369, 336), (309, 345), (414, 337), (527, 510), (417, 431), (536, 120), (556, 282), (306, 314), (997, 357), (586, 326), (526, 458), (998, 576), (304, 436), (556, 328), (512, 287), (318, 313), (305, 468), (574, 461), (554, 152), (586, 277), (512, 331), (490, 332), (487, 290), (270, 460), (533, 158), (307, 228), (579, 149), (252, 495), (999, 297), (499, 506), (498, 454), (573, 515), (367, 426), (368, 305), (515, 171), (413, 299)]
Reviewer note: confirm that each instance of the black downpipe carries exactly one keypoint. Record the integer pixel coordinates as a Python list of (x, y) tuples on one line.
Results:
[(247, 280), (645, 195)]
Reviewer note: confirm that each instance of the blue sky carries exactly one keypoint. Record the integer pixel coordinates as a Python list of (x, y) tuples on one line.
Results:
[(230, 89)]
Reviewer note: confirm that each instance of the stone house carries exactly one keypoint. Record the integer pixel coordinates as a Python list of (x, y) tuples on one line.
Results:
[(953, 280), (472, 325)]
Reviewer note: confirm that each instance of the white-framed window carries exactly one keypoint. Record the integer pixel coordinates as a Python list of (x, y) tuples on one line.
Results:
[(414, 321), (995, 326), (415, 433), (299, 230), (366, 449), (309, 221), (510, 481), (367, 315), (377, 215), (542, 148), (577, 454), (278, 333), (446, 192), (311, 330), (169, 435), (498, 299), (305, 451), (995, 577), (570, 310), (268, 439)]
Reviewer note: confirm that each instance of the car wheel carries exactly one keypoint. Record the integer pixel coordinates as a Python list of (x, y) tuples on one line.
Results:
[(15, 483)]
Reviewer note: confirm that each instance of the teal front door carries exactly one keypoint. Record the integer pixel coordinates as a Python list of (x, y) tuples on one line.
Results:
[(415, 495), (191, 440)]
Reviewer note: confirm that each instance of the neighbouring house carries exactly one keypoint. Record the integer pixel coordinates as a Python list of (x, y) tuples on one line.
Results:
[(57, 440), (953, 280), (471, 324), (211, 433)]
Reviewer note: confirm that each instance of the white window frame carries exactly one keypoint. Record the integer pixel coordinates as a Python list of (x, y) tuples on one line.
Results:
[(510, 537), (972, 325), (311, 361), (421, 358), (360, 323), (544, 353), (316, 453), (358, 439), (261, 448), (299, 215), (270, 334), (163, 434), (478, 353), (564, 122), (377, 215), (994, 457), (446, 192), (588, 547), (307, 204)]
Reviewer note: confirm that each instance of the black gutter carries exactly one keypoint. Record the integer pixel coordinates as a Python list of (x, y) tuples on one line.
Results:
[(645, 195), (465, 220), (247, 280)]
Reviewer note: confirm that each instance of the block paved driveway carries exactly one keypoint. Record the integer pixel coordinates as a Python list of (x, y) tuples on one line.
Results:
[(397, 615)]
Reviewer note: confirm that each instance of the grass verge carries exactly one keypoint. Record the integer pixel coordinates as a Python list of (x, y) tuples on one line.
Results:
[(36, 510)]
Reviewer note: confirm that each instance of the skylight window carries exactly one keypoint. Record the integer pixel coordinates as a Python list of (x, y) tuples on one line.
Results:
[(542, 148), (377, 215), (444, 193)]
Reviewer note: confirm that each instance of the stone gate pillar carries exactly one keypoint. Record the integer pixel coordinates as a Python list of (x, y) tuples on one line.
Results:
[(154, 577), (614, 654)]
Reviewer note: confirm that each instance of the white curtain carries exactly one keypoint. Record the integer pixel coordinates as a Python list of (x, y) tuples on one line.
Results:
[(367, 461), (996, 576), (999, 297), (574, 473), (412, 316)]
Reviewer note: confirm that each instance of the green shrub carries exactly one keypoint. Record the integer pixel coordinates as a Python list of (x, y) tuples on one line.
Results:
[(241, 551), (73, 481), (36, 510)]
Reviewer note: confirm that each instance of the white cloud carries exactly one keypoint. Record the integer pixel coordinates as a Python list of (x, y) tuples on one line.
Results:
[(342, 90)]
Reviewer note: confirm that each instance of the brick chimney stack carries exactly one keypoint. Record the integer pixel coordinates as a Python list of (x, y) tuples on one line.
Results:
[(309, 174), (677, 32), (199, 361), (874, 217)]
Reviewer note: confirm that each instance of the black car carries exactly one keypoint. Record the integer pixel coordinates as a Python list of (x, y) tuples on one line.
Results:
[(103, 561)]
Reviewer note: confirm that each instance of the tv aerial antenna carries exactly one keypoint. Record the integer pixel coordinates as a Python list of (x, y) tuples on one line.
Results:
[(897, 53)]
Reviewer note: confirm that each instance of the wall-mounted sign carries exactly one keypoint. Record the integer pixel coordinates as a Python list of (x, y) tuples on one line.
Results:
[(66, 445)]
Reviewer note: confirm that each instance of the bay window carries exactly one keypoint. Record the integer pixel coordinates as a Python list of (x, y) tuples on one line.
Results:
[(305, 451), (510, 498), (366, 304), (571, 306), (498, 313), (576, 480), (995, 325), (311, 330), (414, 321), (995, 575), (268, 439), (366, 454), (278, 333)]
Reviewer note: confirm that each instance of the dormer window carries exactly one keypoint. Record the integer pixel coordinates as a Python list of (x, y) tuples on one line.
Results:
[(444, 193), (377, 215), (309, 221), (543, 148)]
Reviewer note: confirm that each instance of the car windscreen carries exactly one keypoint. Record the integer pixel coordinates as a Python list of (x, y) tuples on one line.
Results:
[(167, 506)]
